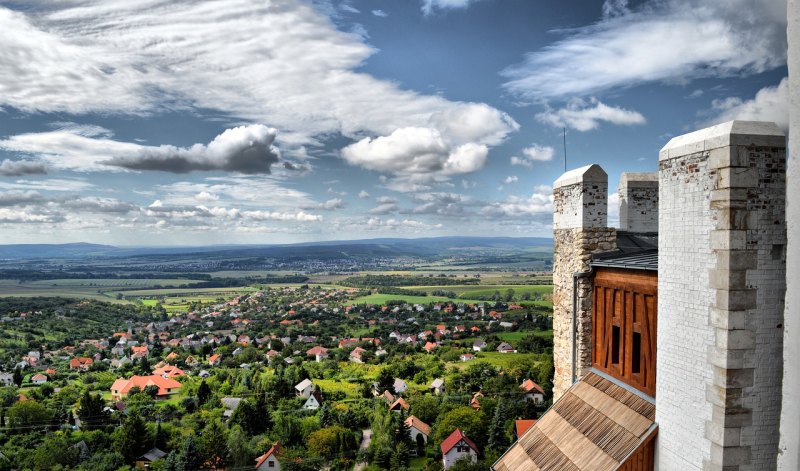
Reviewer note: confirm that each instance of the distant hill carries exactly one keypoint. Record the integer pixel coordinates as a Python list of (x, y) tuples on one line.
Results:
[(429, 246)]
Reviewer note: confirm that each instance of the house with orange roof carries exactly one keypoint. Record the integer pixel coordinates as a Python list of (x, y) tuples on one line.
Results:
[(419, 430), (166, 386), (521, 426), (533, 392), (169, 371), (81, 363), (171, 357), (430, 346), (475, 402), (399, 404), (270, 461), (456, 447), (38, 379), (214, 359), (355, 355), (319, 353), (50, 372)]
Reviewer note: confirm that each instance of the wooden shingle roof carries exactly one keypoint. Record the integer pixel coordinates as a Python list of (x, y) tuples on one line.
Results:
[(595, 426)]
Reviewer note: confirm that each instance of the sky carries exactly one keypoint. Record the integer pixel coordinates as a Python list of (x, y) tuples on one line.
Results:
[(168, 122)]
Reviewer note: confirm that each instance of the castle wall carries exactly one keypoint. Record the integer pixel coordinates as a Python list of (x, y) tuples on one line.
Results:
[(638, 202), (580, 219), (720, 301)]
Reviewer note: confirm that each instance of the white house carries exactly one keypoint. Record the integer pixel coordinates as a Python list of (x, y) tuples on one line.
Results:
[(269, 461), (437, 386), (304, 388), (456, 447), (533, 392), (418, 428), (505, 348), (6, 379), (400, 386), (313, 402), (478, 345)]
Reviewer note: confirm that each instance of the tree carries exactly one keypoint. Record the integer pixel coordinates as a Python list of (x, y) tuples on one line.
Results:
[(402, 434), (385, 381), (131, 439), (17, 377), (189, 458), (497, 440), (90, 411), (203, 393), (55, 451), (327, 442), (213, 444), (239, 453), (27, 414), (469, 421)]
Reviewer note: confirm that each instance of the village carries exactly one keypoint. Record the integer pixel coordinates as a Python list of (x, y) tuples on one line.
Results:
[(289, 378)]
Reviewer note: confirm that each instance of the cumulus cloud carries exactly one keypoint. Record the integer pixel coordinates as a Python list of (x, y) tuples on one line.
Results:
[(244, 149), (117, 56), (538, 204), (769, 104), (380, 13), (363, 195), (17, 168), (330, 205), (585, 115), (532, 154), (429, 6), (657, 41), (384, 208), (281, 216), (511, 179), (420, 151)]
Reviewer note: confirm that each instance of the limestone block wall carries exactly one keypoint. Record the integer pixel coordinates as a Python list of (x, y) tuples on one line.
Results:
[(580, 219), (638, 202), (720, 303)]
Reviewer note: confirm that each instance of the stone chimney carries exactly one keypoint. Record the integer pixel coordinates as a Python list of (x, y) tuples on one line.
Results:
[(580, 228), (638, 202), (721, 284)]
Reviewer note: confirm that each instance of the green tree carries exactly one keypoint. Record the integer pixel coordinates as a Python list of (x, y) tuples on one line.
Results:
[(189, 458), (239, 453), (203, 393), (385, 381), (497, 439), (90, 411), (28, 414), (131, 439), (213, 444), (17, 377), (55, 451), (327, 442), (468, 420)]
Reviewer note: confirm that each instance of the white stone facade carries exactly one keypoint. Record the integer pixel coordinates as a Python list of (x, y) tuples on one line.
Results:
[(720, 298), (638, 202)]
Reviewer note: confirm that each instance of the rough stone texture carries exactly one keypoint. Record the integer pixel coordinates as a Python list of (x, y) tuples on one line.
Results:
[(580, 218), (638, 202), (721, 279), (789, 457)]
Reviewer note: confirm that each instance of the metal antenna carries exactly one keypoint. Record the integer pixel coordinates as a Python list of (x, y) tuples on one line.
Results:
[(565, 149)]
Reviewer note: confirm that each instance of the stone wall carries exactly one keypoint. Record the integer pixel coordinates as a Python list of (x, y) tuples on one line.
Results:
[(720, 304), (638, 202), (580, 219)]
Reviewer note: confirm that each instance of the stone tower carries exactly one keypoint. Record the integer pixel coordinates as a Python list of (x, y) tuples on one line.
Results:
[(580, 228), (721, 284), (638, 202)]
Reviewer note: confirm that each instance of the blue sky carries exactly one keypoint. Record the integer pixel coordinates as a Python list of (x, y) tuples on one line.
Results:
[(163, 122)]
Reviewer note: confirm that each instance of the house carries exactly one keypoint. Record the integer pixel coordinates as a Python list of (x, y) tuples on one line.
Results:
[(81, 363), (419, 430), (456, 447), (400, 386), (214, 360), (38, 379), (388, 396), (6, 379), (319, 353), (533, 392), (521, 426), (437, 386), (230, 404), (304, 388), (269, 461), (467, 357), (399, 404), (166, 386), (505, 347), (478, 345), (144, 461), (430, 346), (355, 355), (169, 371), (313, 402)]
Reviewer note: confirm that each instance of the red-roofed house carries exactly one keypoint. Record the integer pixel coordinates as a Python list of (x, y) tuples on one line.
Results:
[(400, 403), (214, 359), (269, 460), (521, 426), (319, 353), (82, 363), (38, 379), (456, 447), (166, 386), (169, 371), (533, 392), (430, 346), (355, 355), (419, 430)]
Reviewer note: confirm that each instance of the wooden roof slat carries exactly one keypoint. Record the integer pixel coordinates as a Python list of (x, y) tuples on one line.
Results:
[(581, 451)]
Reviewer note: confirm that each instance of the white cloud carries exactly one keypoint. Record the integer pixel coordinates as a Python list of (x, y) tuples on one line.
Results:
[(206, 197), (245, 149), (421, 151), (380, 13), (538, 204), (18, 168), (384, 208), (585, 115), (280, 63), (363, 195), (532, 154), (278, 216), (428, 6), (769, 104), (511, 179), (660, 40), (330, 205)]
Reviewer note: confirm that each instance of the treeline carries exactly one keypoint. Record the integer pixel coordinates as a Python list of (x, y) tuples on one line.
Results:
[(37, 275), (378, 281)]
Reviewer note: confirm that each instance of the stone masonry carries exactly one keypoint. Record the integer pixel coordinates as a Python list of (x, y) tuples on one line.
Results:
[(580, 220), (721, 283), (638, 202)]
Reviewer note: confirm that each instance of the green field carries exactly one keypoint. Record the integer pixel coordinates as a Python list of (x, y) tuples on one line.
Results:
[(383, 298), (517, 336)]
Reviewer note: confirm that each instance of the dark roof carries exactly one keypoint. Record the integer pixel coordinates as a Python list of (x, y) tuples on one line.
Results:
[(634, 251)]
